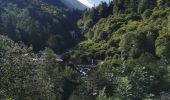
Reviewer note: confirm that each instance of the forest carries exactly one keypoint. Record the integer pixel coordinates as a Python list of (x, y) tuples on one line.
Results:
[(115, 51)]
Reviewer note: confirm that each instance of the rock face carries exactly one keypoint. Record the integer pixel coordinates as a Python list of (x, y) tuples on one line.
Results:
[(74, 4)]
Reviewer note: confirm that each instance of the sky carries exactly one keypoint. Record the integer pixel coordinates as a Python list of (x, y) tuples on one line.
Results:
[(91, 3)]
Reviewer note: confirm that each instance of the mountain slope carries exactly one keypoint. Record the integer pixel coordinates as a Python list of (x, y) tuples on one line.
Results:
[(125, 56), (130, 47), (74, 4), (39, 23)]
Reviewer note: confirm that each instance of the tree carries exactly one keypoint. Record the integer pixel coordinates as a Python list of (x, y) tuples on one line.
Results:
[(163, 46), (22, 77), (102, 95)]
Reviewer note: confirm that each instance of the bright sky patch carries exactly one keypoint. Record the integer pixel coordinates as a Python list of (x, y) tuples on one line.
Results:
[(91, 3)]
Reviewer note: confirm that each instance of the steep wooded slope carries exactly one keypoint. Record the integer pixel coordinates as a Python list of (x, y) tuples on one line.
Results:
[(39, 23), (129, 41)]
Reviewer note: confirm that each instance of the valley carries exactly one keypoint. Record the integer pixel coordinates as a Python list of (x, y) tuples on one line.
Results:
[(67, 50)]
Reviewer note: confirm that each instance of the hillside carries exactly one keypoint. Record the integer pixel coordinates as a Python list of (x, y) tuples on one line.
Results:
[(39, 23), (74, 4), (116, 51), (129, 41)]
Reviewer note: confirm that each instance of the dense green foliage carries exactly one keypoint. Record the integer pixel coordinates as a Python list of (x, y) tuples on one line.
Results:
[(37, 22), (127, 43), (130, 46), (23, 76)]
